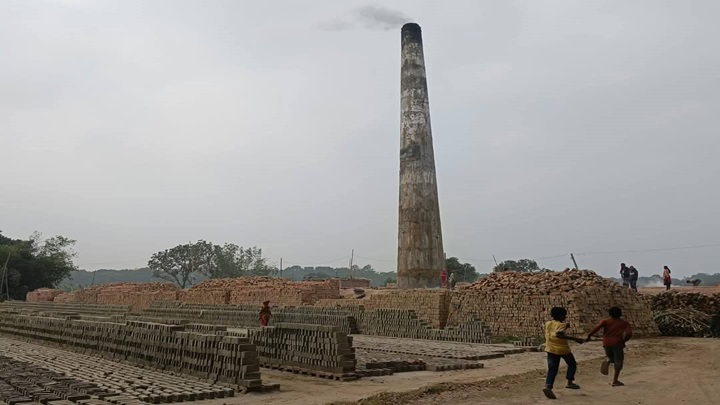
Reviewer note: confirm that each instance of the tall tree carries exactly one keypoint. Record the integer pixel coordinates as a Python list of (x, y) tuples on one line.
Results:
[(464, 272), (522, 265), (177, 264)]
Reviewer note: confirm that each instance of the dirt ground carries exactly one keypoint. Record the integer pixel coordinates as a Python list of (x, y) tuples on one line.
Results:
[(689, 366)]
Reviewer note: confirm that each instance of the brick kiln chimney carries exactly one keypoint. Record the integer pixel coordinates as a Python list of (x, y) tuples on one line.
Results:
[(420, 247)]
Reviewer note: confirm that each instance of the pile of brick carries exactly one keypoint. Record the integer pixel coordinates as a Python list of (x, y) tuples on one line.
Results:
[(518, 304), (43, 295), (674, 299), (354, 283), (318, 350), (255, 290), (431, 306), (136, 295), (215, 357)]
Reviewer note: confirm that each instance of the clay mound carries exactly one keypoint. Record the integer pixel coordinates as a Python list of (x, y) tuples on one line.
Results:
[(545, 282)]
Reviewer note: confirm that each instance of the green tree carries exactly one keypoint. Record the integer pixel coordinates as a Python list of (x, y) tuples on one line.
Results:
[(464, 272), (522, 265), (178, 264), (185, 263), (35, 263)]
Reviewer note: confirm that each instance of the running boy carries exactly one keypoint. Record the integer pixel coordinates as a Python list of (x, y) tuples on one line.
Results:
[(616, 332), (557, 348)]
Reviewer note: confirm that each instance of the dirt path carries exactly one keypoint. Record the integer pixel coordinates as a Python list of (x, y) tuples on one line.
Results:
[(666, 372)]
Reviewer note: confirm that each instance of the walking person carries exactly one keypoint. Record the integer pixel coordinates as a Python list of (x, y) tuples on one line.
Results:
[(558, 348), (265, 314), (633, 278), (667, 279), (616, 332), (625, 275), (444, 278), (452, 280)]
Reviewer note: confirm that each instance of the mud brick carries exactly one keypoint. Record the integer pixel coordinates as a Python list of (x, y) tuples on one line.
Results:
[(61, 402), (18, 400)]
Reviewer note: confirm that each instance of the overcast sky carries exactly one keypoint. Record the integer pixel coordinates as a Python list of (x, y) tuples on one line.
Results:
[(559, 126)]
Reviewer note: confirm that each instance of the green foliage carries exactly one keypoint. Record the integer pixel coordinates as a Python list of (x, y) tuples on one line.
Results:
[(522, 265), (390, 280), (183, 263), (36, 263), (464, 272)]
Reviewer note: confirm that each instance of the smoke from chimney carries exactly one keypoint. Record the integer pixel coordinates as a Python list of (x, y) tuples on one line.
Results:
[(372, 17)]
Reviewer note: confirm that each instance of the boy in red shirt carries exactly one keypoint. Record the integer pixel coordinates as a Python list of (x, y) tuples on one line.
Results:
[(616, 332)]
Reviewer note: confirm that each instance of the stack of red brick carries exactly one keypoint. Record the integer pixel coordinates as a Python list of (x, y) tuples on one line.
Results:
[(254, 290), (43, 295)]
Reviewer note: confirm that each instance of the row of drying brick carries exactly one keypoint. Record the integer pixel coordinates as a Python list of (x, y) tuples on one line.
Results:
[(400, 323), (105, 381), (199, 349), (229, 359)]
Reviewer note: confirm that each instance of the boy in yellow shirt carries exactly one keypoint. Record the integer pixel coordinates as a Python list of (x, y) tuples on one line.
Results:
[(557, 348)]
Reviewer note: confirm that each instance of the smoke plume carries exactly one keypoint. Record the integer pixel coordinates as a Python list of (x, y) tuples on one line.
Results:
[(373, 17)]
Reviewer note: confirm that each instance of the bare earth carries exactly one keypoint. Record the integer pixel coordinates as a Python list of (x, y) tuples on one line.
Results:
[(658, 371), (689, 366)]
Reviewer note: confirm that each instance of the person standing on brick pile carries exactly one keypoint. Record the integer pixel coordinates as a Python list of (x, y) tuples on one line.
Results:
[(452, 280), (633, 278), (265, 314), (667, 278), (558, 348), (443, 278), (625, 275), (616, 332)]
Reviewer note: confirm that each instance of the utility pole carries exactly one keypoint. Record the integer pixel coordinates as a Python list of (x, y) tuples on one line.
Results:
[(93, 279), (495, 260), (281, 267), (352, 255), (574, 262)]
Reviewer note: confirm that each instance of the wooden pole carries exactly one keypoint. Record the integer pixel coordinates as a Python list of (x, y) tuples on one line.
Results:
[(574, 262)]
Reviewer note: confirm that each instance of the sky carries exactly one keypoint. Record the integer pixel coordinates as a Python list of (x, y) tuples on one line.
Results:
[(559, 127)]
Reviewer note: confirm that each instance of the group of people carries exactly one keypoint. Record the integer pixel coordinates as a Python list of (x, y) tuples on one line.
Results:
[(448, 282), (629, 277), (616, 332)]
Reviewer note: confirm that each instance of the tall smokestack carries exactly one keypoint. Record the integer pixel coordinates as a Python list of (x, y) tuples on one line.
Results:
[(420, 247)]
